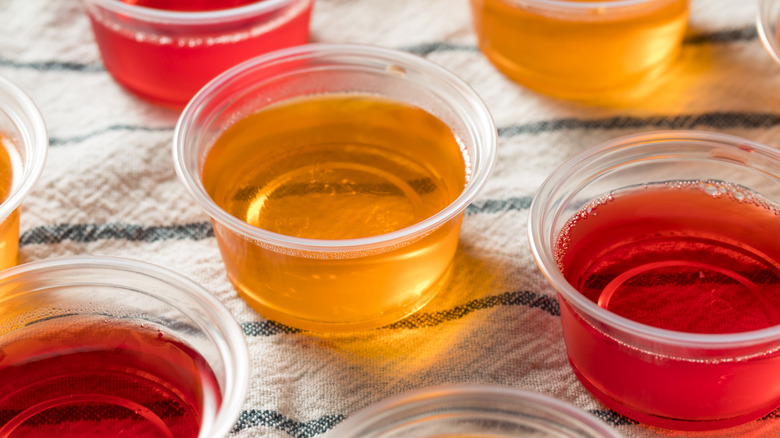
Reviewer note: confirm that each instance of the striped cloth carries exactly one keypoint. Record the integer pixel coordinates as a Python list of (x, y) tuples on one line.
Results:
[(109, 188)]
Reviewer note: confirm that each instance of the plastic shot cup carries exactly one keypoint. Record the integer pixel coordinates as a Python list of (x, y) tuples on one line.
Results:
[(767, 24), (24, 144), (661, 247), (166, 55), (337, 140), (99, 346), (594, 51), (472, 411)]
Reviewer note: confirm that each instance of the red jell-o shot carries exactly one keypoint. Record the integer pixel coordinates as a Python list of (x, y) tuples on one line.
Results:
[(114, 347), (661, 248), (166, 50)]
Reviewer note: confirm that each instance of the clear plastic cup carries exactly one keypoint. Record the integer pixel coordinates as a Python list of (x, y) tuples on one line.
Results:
[(605, 52), (661, 248), (24, 144), (166, 56), (472, 411), (100, 346), (335, 284), (767, 24)]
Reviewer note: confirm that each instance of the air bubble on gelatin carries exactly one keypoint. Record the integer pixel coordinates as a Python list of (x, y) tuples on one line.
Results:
[(711, 190)]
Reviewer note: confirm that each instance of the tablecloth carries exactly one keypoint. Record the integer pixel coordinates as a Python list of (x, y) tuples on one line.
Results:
[(109, 188)]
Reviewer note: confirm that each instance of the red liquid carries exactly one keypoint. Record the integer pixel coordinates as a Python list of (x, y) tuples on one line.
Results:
[(169, 63), (692, 257), (78, 380), (190, 5)]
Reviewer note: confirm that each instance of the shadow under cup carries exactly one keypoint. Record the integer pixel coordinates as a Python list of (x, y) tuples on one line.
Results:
[(24, 144), (100, 346), (338, 284), (672, 316)]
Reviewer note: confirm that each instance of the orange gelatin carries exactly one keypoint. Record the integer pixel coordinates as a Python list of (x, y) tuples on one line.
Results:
[(331, 168), (579, 49), (9, 228)]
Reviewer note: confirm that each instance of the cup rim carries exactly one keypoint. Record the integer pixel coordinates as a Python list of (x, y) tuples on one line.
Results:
[(34, 142), (482, 164), (237, 358), (146, 13), (548, 267), (581, 6), (461, 396), (767, 23)]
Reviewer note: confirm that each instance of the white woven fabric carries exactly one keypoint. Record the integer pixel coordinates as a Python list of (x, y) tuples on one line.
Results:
[(109, 188)]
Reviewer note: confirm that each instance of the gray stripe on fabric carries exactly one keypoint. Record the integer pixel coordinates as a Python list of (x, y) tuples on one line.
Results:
[(719, 119), (716, 37)]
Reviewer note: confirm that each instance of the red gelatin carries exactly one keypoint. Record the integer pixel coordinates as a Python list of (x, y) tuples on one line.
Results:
[(688, 256), (78, 380), (190, 5), (166, 56)]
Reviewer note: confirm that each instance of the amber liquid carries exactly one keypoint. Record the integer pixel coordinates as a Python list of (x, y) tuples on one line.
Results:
[(336, 167), (9, 228), (598, 54)]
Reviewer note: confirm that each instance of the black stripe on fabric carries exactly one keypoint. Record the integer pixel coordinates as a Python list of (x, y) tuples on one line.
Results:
[(52, 234), (612, 418), (428, 48), (423, 320), (53, 66), (723, 36), (683, 121), (58, 141), (718, 37), (520, 298), (772, 415), (255, 417), (267, 328), (499, 205)]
